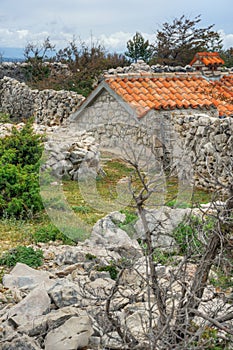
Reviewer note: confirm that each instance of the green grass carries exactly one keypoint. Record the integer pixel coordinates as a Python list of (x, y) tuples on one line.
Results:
[(197, 196), (22, 232)]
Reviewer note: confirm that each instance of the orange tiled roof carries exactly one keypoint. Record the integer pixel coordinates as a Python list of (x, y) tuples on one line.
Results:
[(146, 93), (208, 58)]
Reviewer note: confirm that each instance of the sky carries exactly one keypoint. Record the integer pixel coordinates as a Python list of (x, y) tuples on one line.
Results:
[(109, 22)]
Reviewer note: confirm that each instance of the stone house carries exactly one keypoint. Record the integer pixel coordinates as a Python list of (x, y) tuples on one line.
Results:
[(143, 100), (155, 110)]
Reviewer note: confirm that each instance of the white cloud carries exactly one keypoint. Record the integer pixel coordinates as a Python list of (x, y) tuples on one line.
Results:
[(22, 34), (118, 41), (227, 39)]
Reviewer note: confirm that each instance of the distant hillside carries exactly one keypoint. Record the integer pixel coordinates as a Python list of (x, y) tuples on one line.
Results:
[(11, 59), (11, 54)]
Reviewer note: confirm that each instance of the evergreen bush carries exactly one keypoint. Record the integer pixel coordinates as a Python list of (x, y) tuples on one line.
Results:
[(20, 155)]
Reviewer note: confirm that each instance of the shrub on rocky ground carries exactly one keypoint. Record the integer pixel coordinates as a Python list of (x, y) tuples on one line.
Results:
[(20, 154)]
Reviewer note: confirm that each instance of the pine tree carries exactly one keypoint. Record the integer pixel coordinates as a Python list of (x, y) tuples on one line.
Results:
[(139, 48), (177, 42)]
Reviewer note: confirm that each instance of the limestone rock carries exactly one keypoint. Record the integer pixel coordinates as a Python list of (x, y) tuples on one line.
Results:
[(65, 293), (36, 303), (45, 323), (23, 276), (106, 233), (72, 335), (21, 343), (66, 158), (161, 224)]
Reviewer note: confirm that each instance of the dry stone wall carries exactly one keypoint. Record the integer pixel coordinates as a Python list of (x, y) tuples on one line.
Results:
[(209, 142), (49, 107), (21, 70), (142, 67)]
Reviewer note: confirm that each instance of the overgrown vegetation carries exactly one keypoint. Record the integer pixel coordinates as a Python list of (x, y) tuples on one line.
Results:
[(86, 64)]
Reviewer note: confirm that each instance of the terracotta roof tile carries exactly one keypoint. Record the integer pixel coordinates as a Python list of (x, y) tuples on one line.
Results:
[(146, 93), (208, 58)]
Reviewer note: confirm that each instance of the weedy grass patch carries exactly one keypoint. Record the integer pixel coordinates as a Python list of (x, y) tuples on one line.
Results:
[(38, 228)]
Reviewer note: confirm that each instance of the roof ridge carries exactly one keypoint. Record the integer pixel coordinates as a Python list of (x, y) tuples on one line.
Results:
[(153, 75)]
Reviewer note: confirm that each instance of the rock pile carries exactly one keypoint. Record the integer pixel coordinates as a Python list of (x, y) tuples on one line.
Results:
[(66, 151), (62, 305), (6, 128), (72, 301)]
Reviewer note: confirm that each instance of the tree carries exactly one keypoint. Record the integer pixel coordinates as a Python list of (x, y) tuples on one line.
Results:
[(227, 56), (35, 55), (179, 41), (34, 51), (139, 48), (87, 64)]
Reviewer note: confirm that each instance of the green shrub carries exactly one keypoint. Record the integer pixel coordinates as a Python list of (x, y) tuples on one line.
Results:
[(111, 268), (130, 217), (20, 154), (50, 233), (187, 234), (83, 209), (222, 280), (175, 204), (162, 257), (23, 146), (25, 255), (4, 118), (128, 224)]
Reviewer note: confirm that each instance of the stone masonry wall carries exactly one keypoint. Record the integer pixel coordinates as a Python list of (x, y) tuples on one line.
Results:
[(209, 142), (49, 107), (21, 70)]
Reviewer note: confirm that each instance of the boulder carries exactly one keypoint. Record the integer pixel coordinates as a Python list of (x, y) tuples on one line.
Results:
[(72, 335), (65, 293), (35, 304), (106, 233), (21, 342), (24, 277), (161, 223)]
